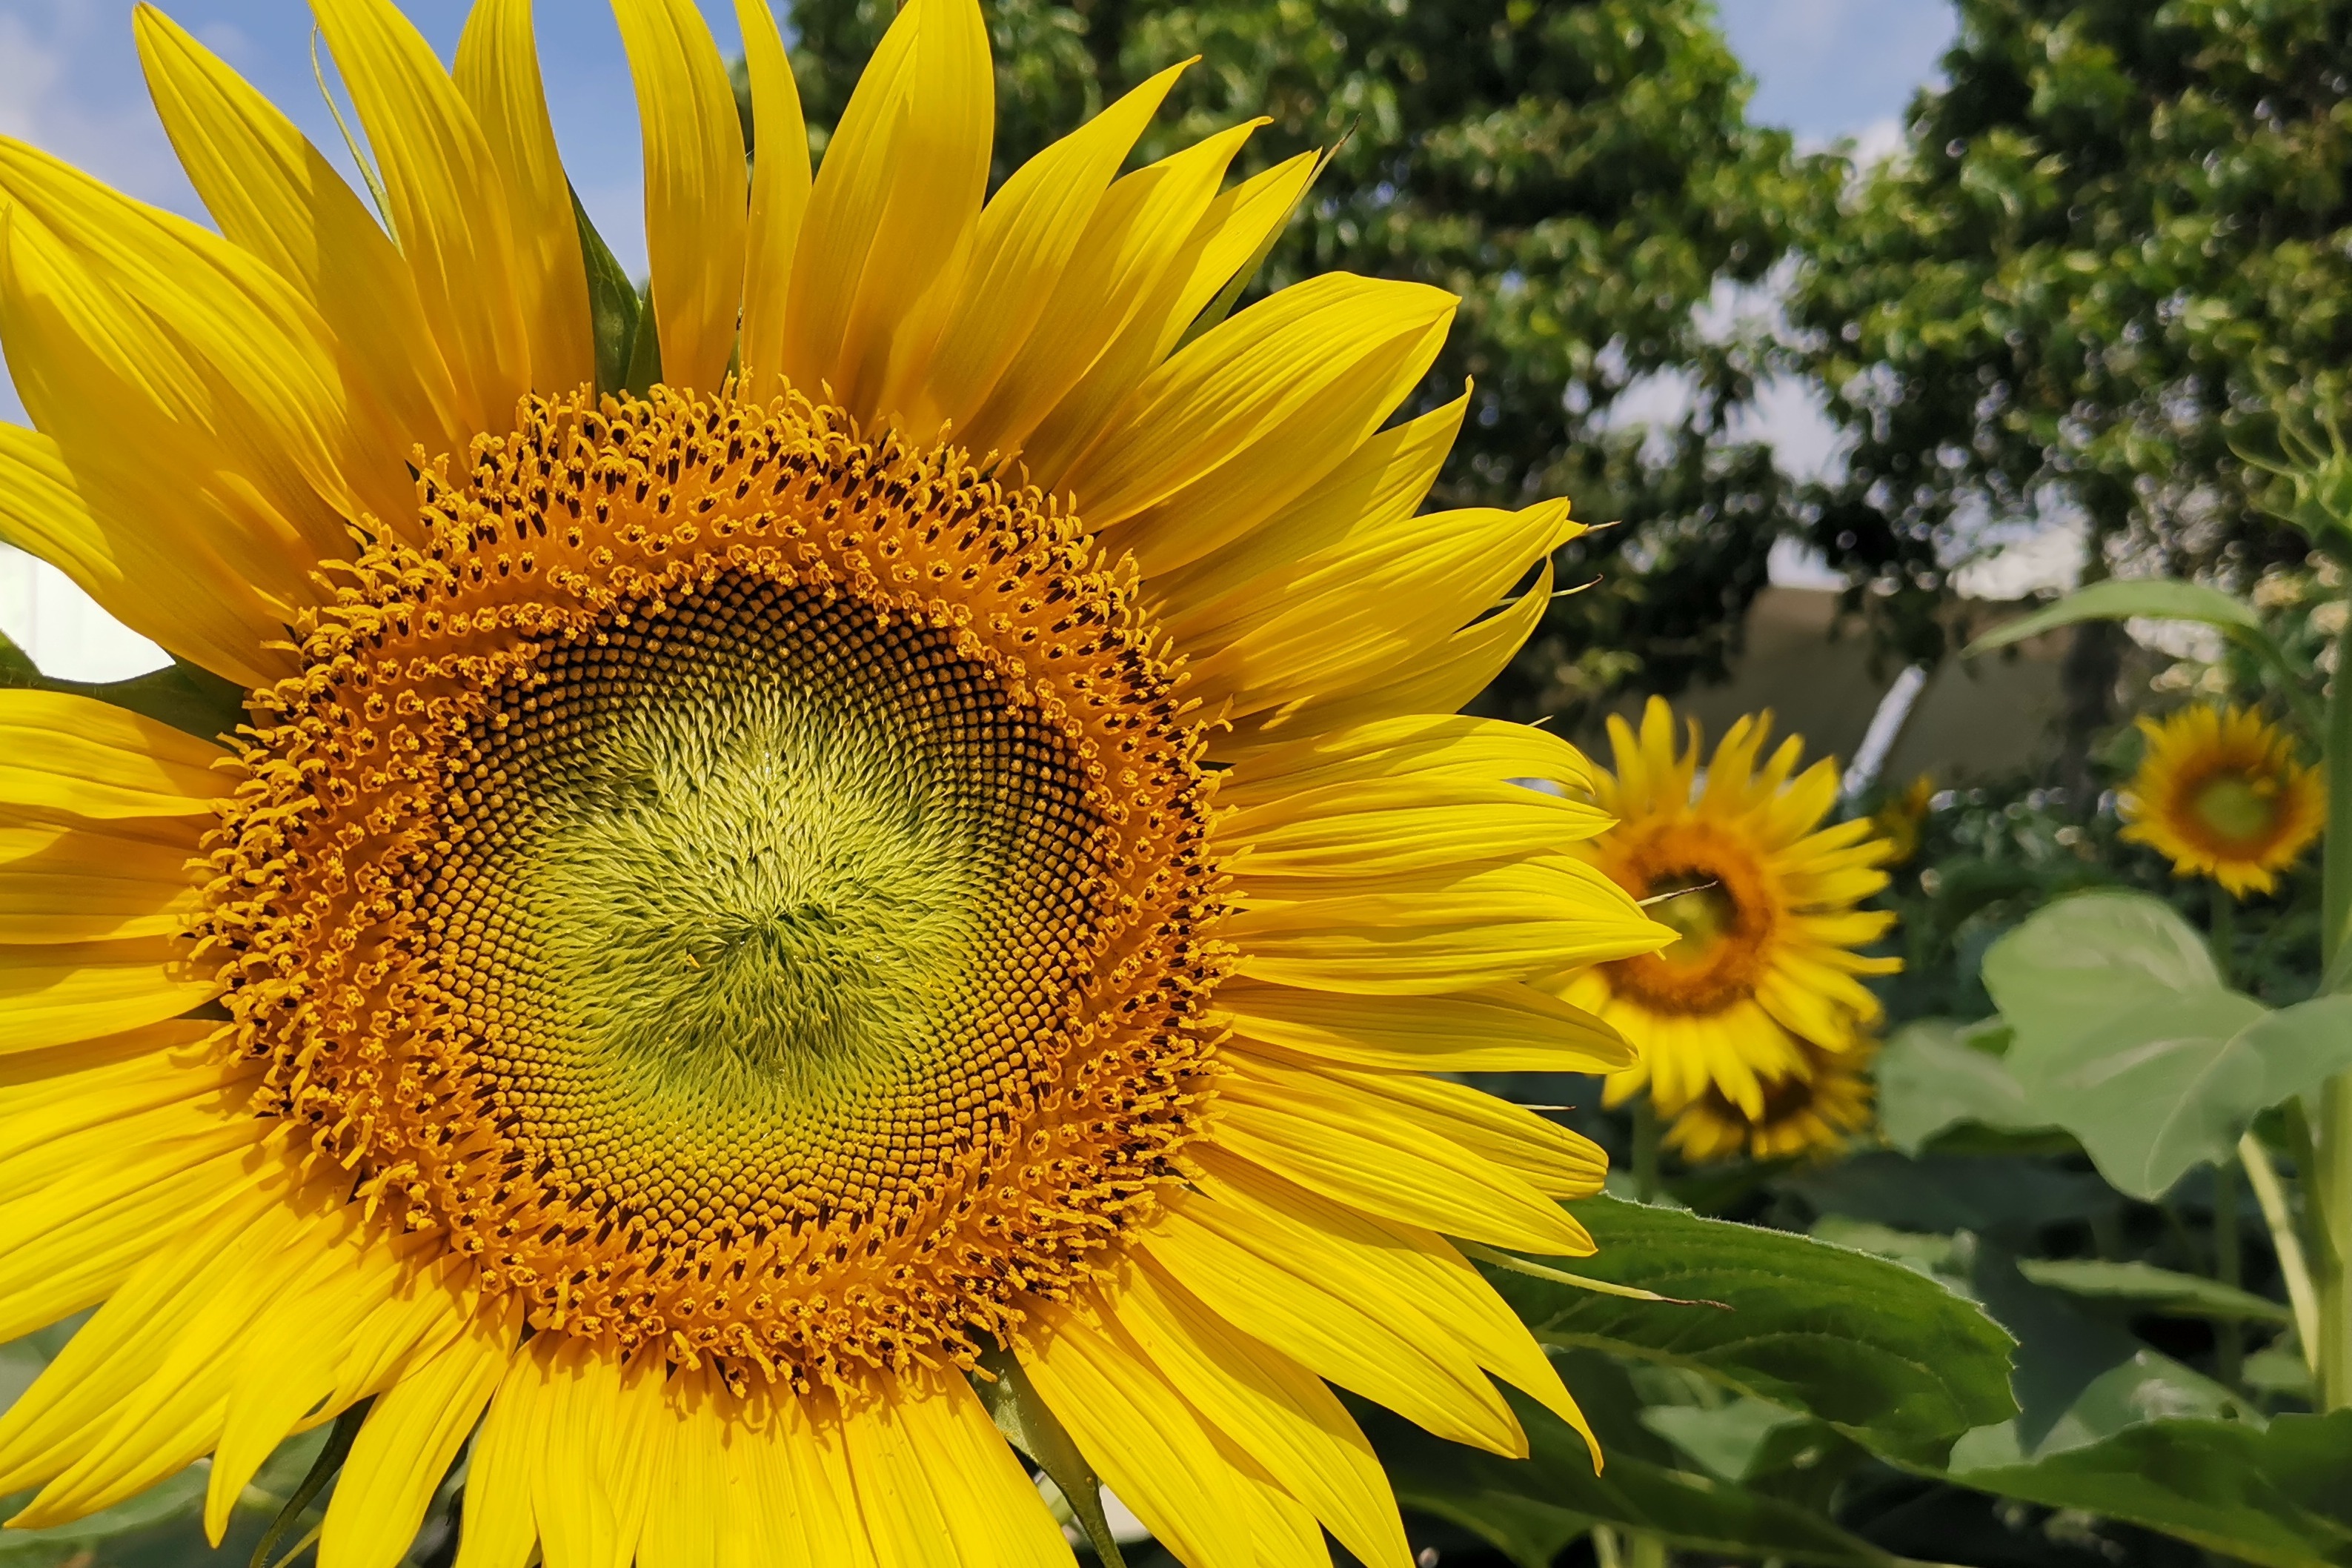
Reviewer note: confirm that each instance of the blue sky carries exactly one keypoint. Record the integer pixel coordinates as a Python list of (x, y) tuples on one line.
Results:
[(70, 82)]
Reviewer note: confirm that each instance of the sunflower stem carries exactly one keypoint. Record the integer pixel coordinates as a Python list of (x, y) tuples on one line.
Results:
[(1645, 1148), (2229, 1335), (2330, 1189)]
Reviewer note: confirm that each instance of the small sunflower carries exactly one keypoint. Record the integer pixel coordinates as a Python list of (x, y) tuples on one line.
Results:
[(723, 917), (1902, 818), (1812, 1110), (2220, 793), (1762, 899)]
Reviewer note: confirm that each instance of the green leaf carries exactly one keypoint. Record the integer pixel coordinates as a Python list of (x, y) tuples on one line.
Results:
[(1724, 1439), (644, 353), (2123, 598), (179, 1498), (2081, 960), (2126, 1038), (1529, 1508), (181, 694), (1029, 1425), (2277, 1496), (2161, 1290), (613, 305), (1889, 1358), (1930, 1079)]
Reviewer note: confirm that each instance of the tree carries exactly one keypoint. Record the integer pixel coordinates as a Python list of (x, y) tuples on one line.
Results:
[(1582, 174), (2112, 242)]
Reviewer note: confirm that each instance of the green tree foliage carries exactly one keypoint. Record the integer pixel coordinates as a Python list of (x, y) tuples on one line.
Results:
[(2111, 237), (1582, 175)]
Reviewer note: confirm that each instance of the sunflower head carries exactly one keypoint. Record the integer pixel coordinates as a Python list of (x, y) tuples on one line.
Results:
[(1812, 1111), (2219, 792), (1763, 902), (726, 917), (1901, 819)]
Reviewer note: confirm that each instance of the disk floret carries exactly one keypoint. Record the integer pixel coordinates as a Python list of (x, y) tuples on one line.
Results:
[(742, 883)]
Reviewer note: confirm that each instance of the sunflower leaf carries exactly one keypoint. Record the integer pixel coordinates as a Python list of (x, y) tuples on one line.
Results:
[(181, 694), (1529, 1508), (2272, 1495), (2127, 1038), (1029, 1425), (2125, 599), (613, 305), (1893, 1360)]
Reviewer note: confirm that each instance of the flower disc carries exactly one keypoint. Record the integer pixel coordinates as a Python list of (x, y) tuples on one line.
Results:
[(713, 905)]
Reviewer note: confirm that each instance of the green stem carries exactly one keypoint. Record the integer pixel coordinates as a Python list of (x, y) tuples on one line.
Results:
[(2230, 1336), (1647, 1551), (1645, 1150), (2329, 1194), (2223, 934)]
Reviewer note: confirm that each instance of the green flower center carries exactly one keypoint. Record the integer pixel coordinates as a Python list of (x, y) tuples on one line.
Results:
[(2239, 808)]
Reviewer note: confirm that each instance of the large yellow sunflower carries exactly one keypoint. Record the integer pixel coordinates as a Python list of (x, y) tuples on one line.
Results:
[(1812, 1110), (1762, 898), (727, 911), (2220, 793)]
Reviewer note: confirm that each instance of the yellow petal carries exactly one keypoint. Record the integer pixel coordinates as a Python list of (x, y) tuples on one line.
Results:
[(1383, 481), (1449, 929), (446, 201), (498, 76), (1141, 1437), (59, 886), (1234, 426), (275, 195), (993, 1515), (1229, 231), (1273, 1410), (83, 991), (1436, 679), (1508, 1027), (1138, 246), (821, 1499), (1552, 1160), (696, 187), (69, 756), (895, 203), (413, 1431), (1371, 602), (1028, 236), (1358, 1149), (191, 603), (1418, 746), (1365, 827), (1303, 1289), (694, 1486), (780, 196), (138, 1393)]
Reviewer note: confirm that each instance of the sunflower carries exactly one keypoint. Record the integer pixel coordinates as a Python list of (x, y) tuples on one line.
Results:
[(1762, 898), (1813, 1109), (1901, 819), (726, 924), (2220, 794)]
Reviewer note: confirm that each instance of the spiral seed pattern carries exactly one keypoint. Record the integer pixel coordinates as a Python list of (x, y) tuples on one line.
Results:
[(742, 884)]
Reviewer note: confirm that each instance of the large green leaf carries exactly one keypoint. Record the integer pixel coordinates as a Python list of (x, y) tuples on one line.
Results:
[(2159, 1289), (2126, 1038), (2082, 960), (2125, 598), (2281, 1496), (1930, 1079), (1889, 1358), (1529, 1508)]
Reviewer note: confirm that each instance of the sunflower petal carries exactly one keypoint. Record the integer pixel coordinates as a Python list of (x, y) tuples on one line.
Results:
[(498, 76), (446, 199), (275, 195), (1281, 1415), (1508, 1027), (895, 203), (696, 187), (1028, 234), (1141, 1438), (780, 198), (1229, 430)]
